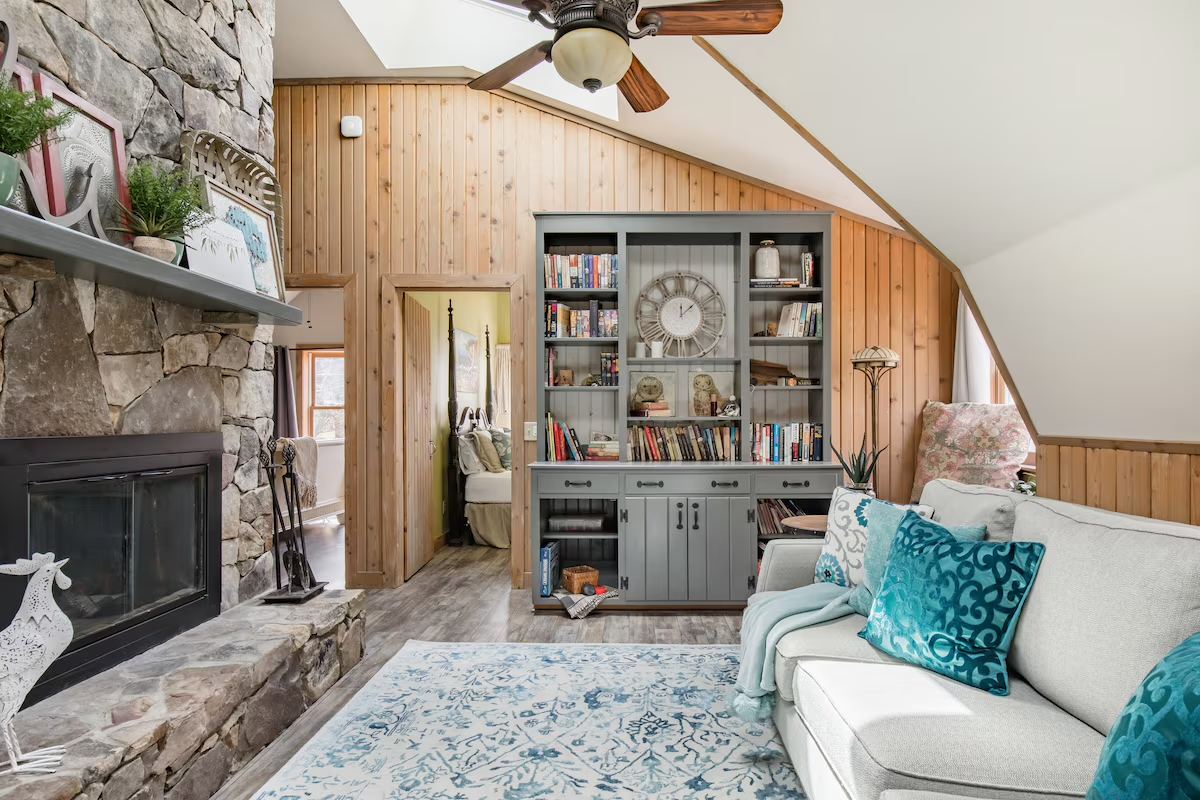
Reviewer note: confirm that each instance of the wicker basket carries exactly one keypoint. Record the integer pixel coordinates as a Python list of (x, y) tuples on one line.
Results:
[(573, 578)]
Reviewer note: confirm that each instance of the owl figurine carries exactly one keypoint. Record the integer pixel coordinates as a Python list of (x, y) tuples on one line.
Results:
[(703, 388)]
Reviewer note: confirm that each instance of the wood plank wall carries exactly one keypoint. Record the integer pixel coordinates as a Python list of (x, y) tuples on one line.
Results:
[(1162, 485), (445, 180)]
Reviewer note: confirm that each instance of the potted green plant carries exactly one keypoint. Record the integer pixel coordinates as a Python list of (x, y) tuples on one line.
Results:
[(164, 205), (24, 119), (861, 466)]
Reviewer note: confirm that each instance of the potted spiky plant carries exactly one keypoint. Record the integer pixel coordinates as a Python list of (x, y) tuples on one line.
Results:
[(861, 466), (164, 206), (24, 119)]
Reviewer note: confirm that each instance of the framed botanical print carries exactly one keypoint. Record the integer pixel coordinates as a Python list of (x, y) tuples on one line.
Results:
[(257, 226), (92, 136)]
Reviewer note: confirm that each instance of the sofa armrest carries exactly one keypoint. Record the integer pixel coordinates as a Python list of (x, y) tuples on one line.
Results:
[(788, 564)]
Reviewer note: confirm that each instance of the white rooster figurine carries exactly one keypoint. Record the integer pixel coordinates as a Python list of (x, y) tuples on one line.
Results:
[(39, 633)]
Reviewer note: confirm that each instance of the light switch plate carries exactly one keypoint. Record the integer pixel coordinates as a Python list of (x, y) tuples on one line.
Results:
[(531, 431)]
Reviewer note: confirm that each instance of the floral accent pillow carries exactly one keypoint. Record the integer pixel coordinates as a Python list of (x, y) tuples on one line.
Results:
[(502, 439), (841, 559), (974, 443)]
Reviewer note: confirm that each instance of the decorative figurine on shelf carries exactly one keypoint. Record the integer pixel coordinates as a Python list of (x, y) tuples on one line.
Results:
[(565, 377), (590, 380), (703, 388), (39, 633), (731, 408)]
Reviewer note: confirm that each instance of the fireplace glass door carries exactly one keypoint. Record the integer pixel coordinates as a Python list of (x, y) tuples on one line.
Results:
[(135, 543)]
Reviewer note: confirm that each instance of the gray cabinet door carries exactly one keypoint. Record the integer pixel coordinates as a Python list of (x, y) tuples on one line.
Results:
[(632, 549), (717, 548), (743, 547), (658, 549), (678, 528)]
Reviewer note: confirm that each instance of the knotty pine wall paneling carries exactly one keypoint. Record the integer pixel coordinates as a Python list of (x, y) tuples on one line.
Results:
[(446, 180)]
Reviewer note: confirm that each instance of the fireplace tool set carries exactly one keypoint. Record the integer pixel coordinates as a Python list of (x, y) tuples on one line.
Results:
[(291, 559)]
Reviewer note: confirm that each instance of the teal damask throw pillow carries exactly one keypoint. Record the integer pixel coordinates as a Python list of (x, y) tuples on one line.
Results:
[(883, 523), (952, 606), (1153, 750)]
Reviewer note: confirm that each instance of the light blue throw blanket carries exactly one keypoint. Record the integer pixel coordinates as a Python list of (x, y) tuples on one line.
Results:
[(766, 622)]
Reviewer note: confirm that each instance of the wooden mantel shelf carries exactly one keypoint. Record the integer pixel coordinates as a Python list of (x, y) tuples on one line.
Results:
[(81, 256)]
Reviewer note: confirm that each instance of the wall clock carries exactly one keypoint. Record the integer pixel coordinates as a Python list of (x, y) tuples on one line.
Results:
[(682, 310)]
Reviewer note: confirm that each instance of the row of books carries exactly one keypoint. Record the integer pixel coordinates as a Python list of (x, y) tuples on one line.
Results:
[(787, 443), (807, 277), (610, 369), (683, 443), (772, 513), (580, 271), (548, 568), (562, 322), (801, 319), (563, 444)]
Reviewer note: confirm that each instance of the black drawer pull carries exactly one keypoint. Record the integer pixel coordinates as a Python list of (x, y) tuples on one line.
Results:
[(642, 484), (696, 521), (679, 525), (726, 484), (804, 485), (569, 484)]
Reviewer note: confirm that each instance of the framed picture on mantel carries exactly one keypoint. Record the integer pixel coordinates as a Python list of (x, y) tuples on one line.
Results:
[(257, 226)]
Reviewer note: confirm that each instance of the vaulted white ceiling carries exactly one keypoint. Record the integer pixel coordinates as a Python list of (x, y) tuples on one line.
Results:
[(1050, 150)]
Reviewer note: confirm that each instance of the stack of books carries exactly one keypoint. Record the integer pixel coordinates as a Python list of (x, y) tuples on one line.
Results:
[(800, 319), (610, 369), (772, 513), (683, 443), (580, 271), (563, 322), (651, 409), (548, 563), (787, 443), (603, 450), (808, 277)]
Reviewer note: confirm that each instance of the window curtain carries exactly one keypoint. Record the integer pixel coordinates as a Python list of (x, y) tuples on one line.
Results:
[(972, 360), (285, 396), (503, 386)]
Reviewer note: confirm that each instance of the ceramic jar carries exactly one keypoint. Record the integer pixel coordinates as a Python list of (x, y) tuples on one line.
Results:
[(766, 260), (162, 249)]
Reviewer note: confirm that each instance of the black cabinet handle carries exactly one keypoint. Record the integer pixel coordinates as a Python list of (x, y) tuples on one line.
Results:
[(804, 485), (696, 521), (679, 525), (641, 484), (715, 484), (569, 484)]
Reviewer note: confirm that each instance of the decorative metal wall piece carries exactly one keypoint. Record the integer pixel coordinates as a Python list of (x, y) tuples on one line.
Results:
[(39, 634), (291, 557), (217, 159)]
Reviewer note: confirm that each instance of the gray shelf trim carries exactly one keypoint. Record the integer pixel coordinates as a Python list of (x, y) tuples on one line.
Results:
[(666, 360), (784, 341), (555, 341), (783, 293), (769, 388), (643, 420), (579, 535), (81, 256), (582, 388)]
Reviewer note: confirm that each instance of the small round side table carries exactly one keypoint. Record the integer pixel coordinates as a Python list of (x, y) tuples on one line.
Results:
[(806, 524)]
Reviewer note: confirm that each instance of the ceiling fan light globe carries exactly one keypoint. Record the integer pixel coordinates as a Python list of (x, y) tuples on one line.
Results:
[(591, 58)]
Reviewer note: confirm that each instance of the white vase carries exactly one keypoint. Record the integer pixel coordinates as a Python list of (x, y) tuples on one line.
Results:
[(766, 260)]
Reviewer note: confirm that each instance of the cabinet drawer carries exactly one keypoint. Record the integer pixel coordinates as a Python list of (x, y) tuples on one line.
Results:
[(786, 483), (698, 483), (578, 484)]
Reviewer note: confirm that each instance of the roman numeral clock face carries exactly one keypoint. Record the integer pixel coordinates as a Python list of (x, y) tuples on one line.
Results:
[(682, 310)]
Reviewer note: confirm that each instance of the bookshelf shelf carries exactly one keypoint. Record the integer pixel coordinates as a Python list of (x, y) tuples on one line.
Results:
[(581, 294), (667, 362), (785, 341), (785, 293), (552, 341), (584, 389), (769, 388), (572, 535), (677, 420)]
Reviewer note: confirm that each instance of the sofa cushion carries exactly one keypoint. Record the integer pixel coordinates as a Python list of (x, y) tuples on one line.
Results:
[(895, 726), (959, 504), (841, 560), (978, 443), (837, 639), (1114, 594)]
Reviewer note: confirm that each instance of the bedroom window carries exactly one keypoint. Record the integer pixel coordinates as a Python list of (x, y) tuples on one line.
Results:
[(324, 415)]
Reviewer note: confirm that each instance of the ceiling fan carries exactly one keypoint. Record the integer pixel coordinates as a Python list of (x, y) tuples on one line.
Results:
[(590, 48)]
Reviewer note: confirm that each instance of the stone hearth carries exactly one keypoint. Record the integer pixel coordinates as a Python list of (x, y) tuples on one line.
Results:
[(176, 721)]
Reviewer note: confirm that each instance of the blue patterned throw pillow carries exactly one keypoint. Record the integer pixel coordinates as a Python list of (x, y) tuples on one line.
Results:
[(883, 523), (841, 559), (952, 606), (1153, 750)]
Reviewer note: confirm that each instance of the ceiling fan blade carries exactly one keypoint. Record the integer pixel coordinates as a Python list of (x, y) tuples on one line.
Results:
[(718, 18), (640, 88), (513, 68)]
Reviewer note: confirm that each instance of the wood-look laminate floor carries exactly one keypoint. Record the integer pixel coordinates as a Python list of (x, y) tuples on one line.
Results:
[(463, 595)]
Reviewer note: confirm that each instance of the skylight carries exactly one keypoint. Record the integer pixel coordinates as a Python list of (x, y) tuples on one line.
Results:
[(475, 34)]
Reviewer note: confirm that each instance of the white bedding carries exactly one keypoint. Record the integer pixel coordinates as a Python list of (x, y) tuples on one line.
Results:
[(489, 487)]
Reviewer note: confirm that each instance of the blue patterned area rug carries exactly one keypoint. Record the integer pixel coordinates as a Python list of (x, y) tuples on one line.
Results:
[(467, 721)]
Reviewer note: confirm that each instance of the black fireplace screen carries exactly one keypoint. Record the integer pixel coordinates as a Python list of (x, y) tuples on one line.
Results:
[(138, 536), (139, 517)]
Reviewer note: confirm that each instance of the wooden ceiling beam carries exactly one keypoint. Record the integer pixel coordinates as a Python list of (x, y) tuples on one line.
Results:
[(866, 189)]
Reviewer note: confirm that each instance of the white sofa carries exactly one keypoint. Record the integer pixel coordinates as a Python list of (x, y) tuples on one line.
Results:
[(1113, 595)]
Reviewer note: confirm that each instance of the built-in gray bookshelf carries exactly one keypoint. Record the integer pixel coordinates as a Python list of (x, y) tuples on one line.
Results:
[(656, 562)]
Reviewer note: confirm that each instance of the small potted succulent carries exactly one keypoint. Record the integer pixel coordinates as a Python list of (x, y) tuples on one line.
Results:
[(24, 119), (861, 467), (164, 205)]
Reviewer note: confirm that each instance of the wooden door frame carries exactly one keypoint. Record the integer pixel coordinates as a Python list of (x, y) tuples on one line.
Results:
[(350, 350), (396, 284)]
